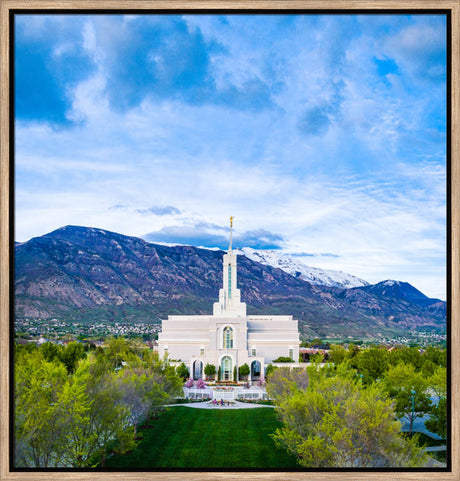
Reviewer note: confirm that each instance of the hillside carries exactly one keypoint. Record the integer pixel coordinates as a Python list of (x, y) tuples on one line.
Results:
[(88, 274)]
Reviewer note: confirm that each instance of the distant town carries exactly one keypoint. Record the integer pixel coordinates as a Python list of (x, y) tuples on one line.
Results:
[(54, 329), (42, 330)]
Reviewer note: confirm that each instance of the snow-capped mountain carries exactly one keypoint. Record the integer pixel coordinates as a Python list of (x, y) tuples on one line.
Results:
[(314, 275)]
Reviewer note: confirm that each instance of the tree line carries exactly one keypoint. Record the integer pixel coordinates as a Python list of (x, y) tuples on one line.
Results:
[(346, 412), (74, 408)]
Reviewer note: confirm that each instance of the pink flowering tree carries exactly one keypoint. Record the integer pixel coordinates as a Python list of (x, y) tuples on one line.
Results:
[(200, 384), (189, 383)]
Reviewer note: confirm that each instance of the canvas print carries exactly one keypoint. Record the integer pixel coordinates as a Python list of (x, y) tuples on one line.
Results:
[(230, 241)]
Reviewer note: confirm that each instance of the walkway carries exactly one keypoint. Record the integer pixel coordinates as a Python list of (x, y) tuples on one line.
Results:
[(419, 426), (232, 405), (435, 448)]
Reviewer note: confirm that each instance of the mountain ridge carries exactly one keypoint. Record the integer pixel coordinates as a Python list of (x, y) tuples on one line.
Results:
[(89, 273)]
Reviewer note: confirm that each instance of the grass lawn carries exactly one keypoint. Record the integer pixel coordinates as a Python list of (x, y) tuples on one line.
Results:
[(190, 438)]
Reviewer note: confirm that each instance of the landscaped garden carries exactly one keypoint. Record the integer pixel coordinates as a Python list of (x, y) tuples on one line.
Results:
[(184, 437)]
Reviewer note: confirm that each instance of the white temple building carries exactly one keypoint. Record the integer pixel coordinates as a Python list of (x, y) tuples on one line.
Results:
[(229, 337)]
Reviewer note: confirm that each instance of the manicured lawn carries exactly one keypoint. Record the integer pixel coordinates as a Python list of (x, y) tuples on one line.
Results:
[(190, 438)]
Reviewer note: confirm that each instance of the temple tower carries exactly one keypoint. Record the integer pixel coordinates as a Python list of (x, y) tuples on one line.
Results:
[(229, 304)]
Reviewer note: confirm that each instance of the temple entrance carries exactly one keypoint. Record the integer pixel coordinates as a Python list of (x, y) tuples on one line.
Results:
[(255, 371), (226, 369), (197, 370)]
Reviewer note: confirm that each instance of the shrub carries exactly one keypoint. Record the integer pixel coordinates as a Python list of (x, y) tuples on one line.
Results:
[(283, 359), (210, 370), (244, 370), (182, 371)]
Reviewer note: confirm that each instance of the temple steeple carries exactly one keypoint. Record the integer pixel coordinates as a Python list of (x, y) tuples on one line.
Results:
[(229, 296), (231, 234)]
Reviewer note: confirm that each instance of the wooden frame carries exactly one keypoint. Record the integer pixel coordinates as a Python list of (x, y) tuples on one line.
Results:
[(6, 209)]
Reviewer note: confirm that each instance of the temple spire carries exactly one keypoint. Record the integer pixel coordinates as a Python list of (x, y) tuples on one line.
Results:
[(231, 233), (229, 304)]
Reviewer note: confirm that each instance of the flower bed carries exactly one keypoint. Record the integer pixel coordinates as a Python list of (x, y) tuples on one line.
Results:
[(265, 402), (224, 402), (227, 383)]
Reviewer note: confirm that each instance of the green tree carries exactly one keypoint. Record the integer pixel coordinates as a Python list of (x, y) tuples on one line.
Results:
[(338, 354), (134, 386), (372, 363), (75, 407), (336, 422), (38, 418), (52, 413), (437, 422), (428, 368), (438, 382), (436, 355), (73, 352), (210, 370), (407, 355), (244, 371), (269, 370), (110, 419), (283, 382), (353, 349), (118, 351), (408, 388), (51, 351), (77, 416), (182, 371), (165, 385)]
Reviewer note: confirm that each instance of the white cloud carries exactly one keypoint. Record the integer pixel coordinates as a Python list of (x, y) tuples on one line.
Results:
[(369, 187)]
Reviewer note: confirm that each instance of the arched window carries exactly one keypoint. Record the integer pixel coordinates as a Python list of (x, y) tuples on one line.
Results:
[(255, 370), (226, 368), (228, 338), (197, 370)]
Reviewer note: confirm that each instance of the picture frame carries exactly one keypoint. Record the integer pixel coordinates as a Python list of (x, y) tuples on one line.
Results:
[(7, 8)]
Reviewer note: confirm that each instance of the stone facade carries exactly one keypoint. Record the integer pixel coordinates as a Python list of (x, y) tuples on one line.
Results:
[(229, 338)]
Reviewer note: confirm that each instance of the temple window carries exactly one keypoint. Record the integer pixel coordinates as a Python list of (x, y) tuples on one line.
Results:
[(228, 338), (229, 281)]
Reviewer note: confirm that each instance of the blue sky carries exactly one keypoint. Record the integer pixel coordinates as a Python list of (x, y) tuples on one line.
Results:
[(324, 135)]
